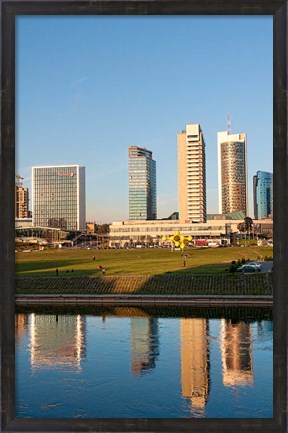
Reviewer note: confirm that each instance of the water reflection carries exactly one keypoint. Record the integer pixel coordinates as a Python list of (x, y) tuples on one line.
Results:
[(195, 365), (21, 326), (236, 347), (57, 341), (144, 344)]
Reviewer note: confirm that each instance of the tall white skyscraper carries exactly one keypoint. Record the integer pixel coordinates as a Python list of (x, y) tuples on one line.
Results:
[(232, 172), (59, 197), (192, 174)]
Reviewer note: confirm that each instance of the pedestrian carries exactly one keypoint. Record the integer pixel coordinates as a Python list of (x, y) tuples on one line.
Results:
[(184, 263), (72, 270), (93, 257), (67, 271), (57, 272), (103, 271)]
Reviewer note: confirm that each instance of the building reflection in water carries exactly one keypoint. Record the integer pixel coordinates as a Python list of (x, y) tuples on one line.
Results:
[(21, 326), (195, 362), (144, 344), (236, 349), (265, 330), (57, 341)]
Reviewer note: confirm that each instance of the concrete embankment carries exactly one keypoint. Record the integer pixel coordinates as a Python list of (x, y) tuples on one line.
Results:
[(142, 300), (169, 289)]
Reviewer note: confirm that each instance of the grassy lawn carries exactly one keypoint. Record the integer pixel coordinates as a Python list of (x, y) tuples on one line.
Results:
[(134, 262)]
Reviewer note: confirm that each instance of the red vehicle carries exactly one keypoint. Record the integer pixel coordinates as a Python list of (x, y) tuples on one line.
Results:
[(201, 243)]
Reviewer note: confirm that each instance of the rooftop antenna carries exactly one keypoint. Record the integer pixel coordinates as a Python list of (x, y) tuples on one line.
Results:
[(228, 124)]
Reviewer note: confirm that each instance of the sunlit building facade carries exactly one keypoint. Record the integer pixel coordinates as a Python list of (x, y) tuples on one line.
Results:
[(142, 184), (59, 197), (192, 174), (263, 194), (232, 172), (21, 202)]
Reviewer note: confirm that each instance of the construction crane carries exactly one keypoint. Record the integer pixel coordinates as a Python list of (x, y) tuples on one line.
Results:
[(19, 180), (228, 124)]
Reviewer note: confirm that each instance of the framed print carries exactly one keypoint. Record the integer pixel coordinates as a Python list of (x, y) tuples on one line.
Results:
[(116, 351)]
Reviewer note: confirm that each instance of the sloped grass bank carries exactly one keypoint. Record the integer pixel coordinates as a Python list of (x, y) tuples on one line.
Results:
[(174, 284)]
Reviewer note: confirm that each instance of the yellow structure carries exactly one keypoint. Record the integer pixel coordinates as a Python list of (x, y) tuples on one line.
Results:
[(178, 240)]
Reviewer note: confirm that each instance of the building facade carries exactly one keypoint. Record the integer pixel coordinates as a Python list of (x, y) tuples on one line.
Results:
[(191, 174), (59, 197), (21, 202), (232, 172), (263, 194), (131, 233), (142, 184)]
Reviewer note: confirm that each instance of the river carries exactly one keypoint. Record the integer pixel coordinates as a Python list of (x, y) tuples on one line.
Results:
[(144, 363)]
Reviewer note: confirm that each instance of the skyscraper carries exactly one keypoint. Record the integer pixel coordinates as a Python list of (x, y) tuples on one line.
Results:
[(59, 197), (263, 194), (232, 172), (192, 174), (142, 184)]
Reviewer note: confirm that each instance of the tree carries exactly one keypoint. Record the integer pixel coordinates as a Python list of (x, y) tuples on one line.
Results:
[(246, 227)]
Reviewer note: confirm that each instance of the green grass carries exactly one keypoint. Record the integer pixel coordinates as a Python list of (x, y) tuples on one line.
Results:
[(134, 262)]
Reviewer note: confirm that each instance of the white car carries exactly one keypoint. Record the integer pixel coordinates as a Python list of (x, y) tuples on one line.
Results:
[(255, 265)]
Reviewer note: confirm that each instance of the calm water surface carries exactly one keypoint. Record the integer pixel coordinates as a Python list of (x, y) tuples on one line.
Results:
[(142, 366)]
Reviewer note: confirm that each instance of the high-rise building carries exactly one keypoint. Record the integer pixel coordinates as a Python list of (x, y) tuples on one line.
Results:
[(59, 197), (21, 199), (191, 174), (232, 172), (263, 194), (21, 202), (142, 184)]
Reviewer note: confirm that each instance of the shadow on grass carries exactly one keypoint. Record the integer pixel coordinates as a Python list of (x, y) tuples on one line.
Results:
[(166, 284)]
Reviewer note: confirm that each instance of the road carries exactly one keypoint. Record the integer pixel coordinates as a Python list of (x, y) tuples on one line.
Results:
[(266, 266)]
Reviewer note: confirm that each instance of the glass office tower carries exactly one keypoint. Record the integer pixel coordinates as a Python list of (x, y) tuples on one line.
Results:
[(59, 197), (142, 184), (263, 194)]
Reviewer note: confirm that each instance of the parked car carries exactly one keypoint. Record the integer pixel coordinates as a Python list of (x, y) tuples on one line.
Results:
[(247, 269), (256, 265)]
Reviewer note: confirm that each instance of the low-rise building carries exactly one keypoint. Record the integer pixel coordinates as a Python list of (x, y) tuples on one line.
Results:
[(216, 232)]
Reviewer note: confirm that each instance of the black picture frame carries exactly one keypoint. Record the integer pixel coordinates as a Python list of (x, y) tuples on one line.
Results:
[(9, 10)]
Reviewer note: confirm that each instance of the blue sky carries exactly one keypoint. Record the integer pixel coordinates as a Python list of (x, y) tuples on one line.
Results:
[(87, 88)]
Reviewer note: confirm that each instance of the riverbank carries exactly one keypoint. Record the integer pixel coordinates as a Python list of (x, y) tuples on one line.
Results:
[(259, 284), (142, 300)]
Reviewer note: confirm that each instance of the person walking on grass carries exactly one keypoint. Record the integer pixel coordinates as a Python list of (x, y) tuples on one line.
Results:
[(103, 271), (57, 272)]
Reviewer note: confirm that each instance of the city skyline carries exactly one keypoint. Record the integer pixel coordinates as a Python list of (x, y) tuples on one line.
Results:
[(76, 106)]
